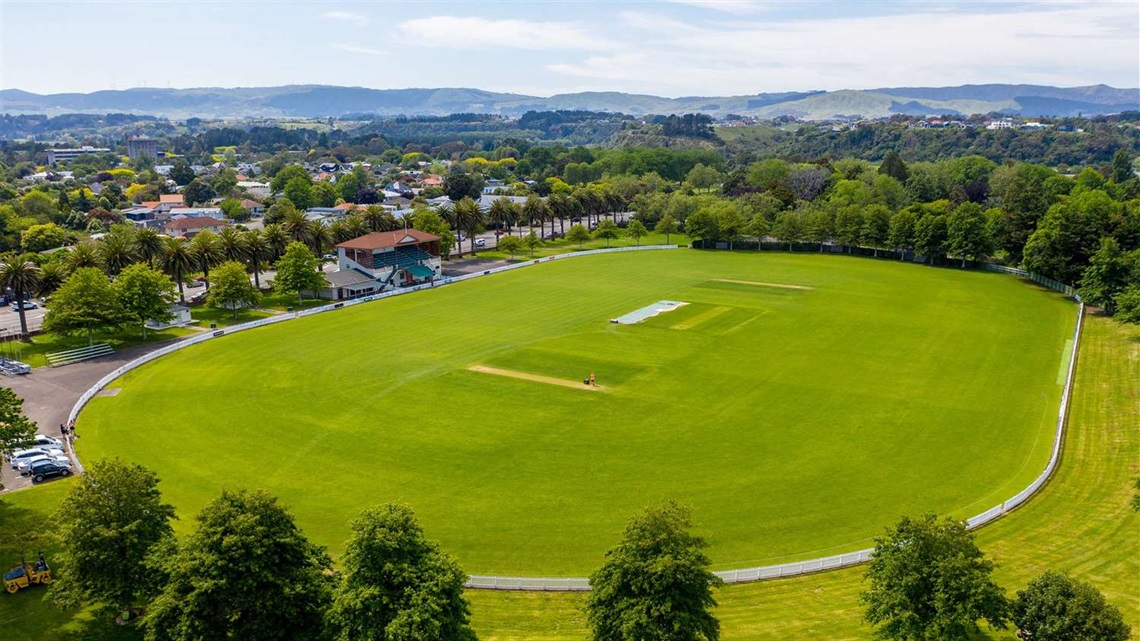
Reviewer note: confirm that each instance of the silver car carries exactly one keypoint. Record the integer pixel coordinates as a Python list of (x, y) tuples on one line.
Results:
[(26, 465), (22, 455)]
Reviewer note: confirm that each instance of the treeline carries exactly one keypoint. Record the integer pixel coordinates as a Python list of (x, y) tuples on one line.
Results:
[(1098, 142), (247, 571)]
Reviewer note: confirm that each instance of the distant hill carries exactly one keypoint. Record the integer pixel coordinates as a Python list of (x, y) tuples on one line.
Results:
[(319, 101)]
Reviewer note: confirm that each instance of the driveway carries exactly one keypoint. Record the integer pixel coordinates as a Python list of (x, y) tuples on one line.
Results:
[(50, 392)]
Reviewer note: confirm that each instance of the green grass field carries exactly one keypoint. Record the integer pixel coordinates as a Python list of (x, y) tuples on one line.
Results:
[(796, 422)]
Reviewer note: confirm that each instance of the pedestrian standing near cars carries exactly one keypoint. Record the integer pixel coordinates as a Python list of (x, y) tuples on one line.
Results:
[(592, 383), (63, 430)]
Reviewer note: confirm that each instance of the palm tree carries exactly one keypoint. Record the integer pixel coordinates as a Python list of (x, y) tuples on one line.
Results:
[(276, 238), (502, 212), (470, 219), (298, 227), (116, 252), (233, 244), (379, 219), (354, 226), (561, 207), (148, 245), (340, 231), (177, 259), (84, 254), (447, 213), (23, 277), (319, 238), (535, 209), (258, 249), (207, 252), (52, 276)]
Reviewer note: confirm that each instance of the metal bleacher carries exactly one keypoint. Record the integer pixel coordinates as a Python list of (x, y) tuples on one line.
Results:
[(401, 258)]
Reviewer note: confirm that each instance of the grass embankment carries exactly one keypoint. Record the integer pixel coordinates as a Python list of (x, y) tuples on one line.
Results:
[(563, 246), (796, 421), (1080, 523), (35, 352)]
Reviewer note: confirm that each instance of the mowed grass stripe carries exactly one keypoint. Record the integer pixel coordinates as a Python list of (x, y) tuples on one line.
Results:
[(800, 434)]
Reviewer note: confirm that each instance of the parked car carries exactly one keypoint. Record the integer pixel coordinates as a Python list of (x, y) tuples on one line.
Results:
[(42, 471), (52, 455), (47, 442), (21, 455), (480, 242), (26, 466), (16, 305)]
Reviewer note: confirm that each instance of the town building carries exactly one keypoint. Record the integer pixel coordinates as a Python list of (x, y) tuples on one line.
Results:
[(142, 147), (64, 155)]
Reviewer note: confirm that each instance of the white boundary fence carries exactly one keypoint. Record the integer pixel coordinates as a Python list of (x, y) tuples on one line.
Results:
[(579, 584)]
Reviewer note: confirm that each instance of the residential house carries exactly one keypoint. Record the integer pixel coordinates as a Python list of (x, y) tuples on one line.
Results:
[(254, 207), (190, 227)]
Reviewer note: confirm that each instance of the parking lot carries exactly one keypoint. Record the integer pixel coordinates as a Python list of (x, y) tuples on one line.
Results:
[(50, 392), (10, 320)]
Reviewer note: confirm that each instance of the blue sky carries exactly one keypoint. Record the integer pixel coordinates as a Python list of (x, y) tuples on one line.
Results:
[(678, 48)]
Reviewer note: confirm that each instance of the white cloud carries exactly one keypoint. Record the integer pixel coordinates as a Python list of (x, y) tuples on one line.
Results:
[(1047, 44), (481, 33), (727, 6), (345, 16), (358, 49)]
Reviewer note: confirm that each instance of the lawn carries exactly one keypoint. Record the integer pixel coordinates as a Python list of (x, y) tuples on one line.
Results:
[(796, 422), (34, 353), (1081, 523)]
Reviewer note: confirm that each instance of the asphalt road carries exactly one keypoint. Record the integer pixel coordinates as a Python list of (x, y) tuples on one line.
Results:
[(10, 320), (50, 392)]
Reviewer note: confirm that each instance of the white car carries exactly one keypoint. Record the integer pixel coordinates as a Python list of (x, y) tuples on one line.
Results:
[(59, 459), (24, 455), (46, 442), (480, 242)]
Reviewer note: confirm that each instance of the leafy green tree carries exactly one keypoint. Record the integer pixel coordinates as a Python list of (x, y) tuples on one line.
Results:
[(510, 244), (145, 294), (398, 584), (532, 242), (901, 235), (198, 193), (1128, 305), (430, 221), (20, 274), (1070, 234), (247, 572), (16, 429), (38, 238), (636, 230), (1107, 275), (232, 289), (181, 173), (789, 228), (279, 211), (929, 580), (85, 302), (876, 226), (849, 223), (324, 194), (1056, 607), (967, 234), (667, 225), (109, 523), (894, 167), (233, 210), (702, 177), (298, 271), (287, 173), (299, 191), (1122, 167), (178, 260), (818, 226), (462, 184), (578, 234), (656, 584), (930, 237), (608, 230)]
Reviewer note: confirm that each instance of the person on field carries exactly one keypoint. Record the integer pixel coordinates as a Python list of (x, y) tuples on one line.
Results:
[(592, 383)]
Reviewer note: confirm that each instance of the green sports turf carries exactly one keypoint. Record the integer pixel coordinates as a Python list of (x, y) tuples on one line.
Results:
[(795, 422)]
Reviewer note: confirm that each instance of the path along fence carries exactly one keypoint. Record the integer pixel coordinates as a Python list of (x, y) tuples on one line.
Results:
[(573, 584)]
